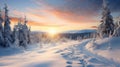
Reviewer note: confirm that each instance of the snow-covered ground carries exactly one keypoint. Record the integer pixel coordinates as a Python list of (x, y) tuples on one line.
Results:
[(64, 54), (108, 48), (34, 56)]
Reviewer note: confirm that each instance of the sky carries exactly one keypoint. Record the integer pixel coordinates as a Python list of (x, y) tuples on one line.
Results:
[(61, 15)]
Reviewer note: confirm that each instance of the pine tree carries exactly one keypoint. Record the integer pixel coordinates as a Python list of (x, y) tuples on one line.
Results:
[(117, 28), (29, 39), (106, 27), (20, 36), (15, 36), (7, 29), (26, 32), (25, 28), (21, 33), (1, 30)]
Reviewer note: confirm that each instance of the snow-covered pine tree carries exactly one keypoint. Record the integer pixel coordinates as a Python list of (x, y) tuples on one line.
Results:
[(106, 27), (21, 33), (1, 30), (26, 31), (15, 36), (29, 38), (117, 28), (25, 28), (7, 29)]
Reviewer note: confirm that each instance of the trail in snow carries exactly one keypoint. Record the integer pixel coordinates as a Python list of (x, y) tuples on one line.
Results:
[(77, 56), (69, 54)]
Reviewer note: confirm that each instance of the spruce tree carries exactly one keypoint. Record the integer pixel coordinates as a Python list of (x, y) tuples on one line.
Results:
[(7, 29), (106, 27), (1, 30)]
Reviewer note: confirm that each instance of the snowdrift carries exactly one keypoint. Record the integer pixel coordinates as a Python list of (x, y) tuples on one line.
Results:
[(104, 44), (107, 47)]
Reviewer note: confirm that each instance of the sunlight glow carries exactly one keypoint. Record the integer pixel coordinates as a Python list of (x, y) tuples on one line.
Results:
[(52, 31)]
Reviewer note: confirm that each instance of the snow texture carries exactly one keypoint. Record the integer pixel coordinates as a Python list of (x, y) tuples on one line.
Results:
[(63, 54)]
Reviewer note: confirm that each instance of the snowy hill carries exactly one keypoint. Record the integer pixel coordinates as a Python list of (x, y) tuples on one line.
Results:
[(106, 43), (107, 47)]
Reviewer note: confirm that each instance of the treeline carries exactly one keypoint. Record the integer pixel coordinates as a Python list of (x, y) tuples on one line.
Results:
[(20, 36)]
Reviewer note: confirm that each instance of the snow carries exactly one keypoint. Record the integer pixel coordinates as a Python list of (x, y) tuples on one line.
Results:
[(64, 54), (108, 48), (34, 56)]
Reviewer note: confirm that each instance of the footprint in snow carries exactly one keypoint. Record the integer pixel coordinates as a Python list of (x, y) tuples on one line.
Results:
[(69, 66), (59, 51), (69, 62), (41, 51)]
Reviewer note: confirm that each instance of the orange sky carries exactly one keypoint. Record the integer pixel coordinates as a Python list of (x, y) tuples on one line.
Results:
[(60, 20), (45, 17)]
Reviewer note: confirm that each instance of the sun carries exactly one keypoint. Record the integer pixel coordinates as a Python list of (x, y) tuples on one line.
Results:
[(52, 31)]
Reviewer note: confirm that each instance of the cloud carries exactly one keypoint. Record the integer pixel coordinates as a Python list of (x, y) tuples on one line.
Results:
[(95, 27), (15, 20), (70, 10), (114, 5), (53, 15), (89, 8), (65, 13)]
